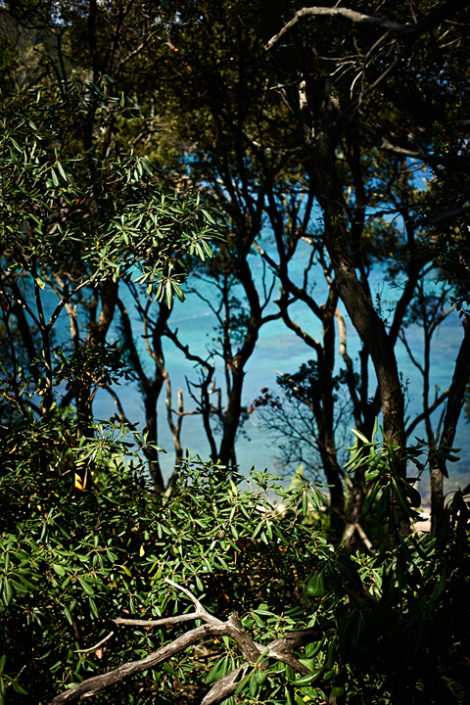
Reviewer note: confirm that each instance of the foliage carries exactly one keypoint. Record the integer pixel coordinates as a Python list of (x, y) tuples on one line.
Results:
[(72, 561), (120, 121), (74, 226), (110, 217)]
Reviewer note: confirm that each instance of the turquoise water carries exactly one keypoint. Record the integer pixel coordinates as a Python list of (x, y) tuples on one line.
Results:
[(279, 350)]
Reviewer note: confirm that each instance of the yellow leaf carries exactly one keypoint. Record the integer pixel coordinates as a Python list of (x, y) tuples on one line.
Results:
[(79, 484), (142, 551)]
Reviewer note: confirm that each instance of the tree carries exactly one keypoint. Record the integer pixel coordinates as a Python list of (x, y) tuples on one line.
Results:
[(337, 155), (336, 103), (307, 602), (68, 229), (213, 109)]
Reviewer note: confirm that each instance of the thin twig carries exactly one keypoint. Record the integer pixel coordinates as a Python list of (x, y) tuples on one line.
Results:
[(96, 646)]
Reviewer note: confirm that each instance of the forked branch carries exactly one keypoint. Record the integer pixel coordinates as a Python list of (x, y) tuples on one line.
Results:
[(252, 652), (409, 32)]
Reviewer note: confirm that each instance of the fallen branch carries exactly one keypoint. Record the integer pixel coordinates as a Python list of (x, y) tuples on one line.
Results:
[(281, 649)]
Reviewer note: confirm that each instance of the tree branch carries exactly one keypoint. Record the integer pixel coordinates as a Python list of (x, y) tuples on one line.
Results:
[(352, 15), (96, 646), (92, 686), (421, 417), (410, 32), (280, 649)]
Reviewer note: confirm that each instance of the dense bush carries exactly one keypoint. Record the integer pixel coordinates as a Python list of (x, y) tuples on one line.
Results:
[(390, 622)]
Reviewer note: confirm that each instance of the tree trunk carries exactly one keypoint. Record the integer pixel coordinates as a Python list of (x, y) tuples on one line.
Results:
[(356, 299), (455, 402), (150, 450), (231, 418), (238, 362)]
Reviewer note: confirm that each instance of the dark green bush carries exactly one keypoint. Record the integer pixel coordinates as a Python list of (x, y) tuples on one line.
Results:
[(391, 622)]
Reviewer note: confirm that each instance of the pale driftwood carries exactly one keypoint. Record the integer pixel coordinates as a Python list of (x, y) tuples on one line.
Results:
[(281, 649)]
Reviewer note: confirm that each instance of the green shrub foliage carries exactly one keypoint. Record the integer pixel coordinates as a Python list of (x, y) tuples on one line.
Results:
[(388, 622)]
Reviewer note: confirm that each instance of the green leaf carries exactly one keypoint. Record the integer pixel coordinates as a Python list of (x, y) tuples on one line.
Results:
[(18, 688), (62, 172), (67, 614), (216, 673), (316, 586), (168, 294), (260, 677), (310, 663), (55, 179), (85, 586), (93, 607), (7, 592), (309, 679)]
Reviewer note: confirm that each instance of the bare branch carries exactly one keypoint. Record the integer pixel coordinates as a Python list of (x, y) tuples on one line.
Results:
[(410, 32), (421, 417), (92, 686), (280, 649), (164, 621), (356, 17), (389, 147), (223, 689), (199, 608), (303, 335)]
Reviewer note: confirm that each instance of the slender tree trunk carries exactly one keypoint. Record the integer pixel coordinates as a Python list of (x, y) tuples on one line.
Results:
[(150, 450), (326, 417), (364, 317), (231, 418), (237, 364), (455, 402)]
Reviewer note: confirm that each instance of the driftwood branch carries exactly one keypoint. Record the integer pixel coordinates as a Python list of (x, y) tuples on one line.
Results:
[(281, 649)]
